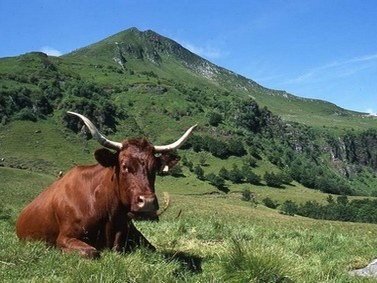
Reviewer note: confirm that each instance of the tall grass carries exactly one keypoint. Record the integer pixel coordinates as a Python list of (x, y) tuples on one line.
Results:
[(199, 239)]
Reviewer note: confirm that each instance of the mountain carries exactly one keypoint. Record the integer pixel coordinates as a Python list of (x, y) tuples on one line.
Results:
[(168, 58), (144, 84)]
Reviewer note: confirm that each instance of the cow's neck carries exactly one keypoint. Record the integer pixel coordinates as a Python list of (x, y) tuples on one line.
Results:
[(108, 194)]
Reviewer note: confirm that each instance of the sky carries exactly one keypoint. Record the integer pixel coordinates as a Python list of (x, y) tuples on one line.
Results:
[(321, 49)]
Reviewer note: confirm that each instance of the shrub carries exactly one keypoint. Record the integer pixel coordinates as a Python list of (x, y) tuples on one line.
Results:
[(273, 180), (250, 161), (223, 173), (215, 119), (199, 172), (215, 180), (187, 163), (249, 176), (235, 147), (235, 175), (289, 208), (176, 171), (26, 114), (246, 195), (270, 203)]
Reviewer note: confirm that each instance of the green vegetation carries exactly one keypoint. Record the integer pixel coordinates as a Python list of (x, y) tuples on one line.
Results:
[(200, 238), (357, 210), (256, 153)]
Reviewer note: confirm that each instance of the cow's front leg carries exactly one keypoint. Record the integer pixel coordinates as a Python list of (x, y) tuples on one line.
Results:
[(70, 244)]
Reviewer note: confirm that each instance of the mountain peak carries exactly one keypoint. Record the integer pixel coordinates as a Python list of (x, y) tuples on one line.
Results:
[(147, 51), (148, 46)]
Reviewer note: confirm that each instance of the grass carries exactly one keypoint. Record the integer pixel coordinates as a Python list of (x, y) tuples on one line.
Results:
[(200, 238), (203, 237)]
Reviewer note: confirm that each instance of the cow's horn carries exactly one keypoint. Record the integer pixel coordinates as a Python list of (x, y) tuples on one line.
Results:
[(176, 144), (97, 135)]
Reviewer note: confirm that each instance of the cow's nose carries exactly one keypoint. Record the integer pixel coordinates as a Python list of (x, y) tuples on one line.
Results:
[(147, 203)]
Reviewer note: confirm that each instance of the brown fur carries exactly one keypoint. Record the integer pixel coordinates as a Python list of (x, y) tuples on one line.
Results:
[(88, 209)]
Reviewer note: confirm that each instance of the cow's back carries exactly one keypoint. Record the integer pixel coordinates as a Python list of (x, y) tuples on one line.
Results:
[(40, 219)]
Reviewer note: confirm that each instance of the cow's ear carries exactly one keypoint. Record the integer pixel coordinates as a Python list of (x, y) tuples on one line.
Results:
[(167, 161), (106, 157)]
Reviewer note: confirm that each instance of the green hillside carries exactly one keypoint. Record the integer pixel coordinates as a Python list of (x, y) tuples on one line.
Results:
[(258, 157), (138, 83), (167, 59)]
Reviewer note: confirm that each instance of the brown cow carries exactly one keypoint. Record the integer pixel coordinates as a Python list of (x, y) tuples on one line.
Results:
[(91, 207)]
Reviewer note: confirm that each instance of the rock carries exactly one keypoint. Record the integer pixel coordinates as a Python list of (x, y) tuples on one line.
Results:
[(369, 271)]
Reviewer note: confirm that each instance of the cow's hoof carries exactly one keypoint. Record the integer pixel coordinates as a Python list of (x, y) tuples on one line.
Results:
[(90, 254)]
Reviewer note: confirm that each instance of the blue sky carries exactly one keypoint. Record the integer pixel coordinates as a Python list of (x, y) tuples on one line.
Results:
[(324, 49)]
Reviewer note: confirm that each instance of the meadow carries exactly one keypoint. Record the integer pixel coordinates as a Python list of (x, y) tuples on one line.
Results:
[(200, 238), (206, 235)]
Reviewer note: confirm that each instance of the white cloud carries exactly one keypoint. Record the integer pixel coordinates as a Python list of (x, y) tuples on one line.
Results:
[(207, 51), (51, 51), (334, 69), (371, 112)]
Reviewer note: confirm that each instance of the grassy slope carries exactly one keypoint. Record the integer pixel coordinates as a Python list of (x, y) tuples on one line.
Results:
[(215, 239), (305, 250), (312, 112), (43, 147)]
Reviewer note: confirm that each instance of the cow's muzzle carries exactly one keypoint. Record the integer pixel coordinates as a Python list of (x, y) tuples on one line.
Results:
[(146, 204)]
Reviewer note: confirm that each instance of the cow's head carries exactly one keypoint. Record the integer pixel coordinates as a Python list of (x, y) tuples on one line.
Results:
[(136, 162)]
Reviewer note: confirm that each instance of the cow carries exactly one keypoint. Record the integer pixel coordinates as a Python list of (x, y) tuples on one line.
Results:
[(91, 207)]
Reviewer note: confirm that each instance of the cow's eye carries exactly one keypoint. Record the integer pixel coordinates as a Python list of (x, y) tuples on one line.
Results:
[(157, 154)]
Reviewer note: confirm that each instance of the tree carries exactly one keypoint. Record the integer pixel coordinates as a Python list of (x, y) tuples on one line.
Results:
[(199, 172), (246, 195), (215, 180), (235, 147), (235, 175), (249, 176), (247, 115), (250, 161), (176, 171), (273, 180), (218, 148), (202, 159), (223, 173), (270, 203), (215, 119), (187, 163), (289, 208)]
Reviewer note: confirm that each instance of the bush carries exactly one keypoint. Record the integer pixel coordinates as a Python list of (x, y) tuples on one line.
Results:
[(26, 114), (273, 180), (235, 147), (289, 208), (249, 176), (176, 171), (246, 195), (250, 161), (223, 173), (215, 119), (199, 172), (215, 180), (235, 175), (187, 163), (270, 203)]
